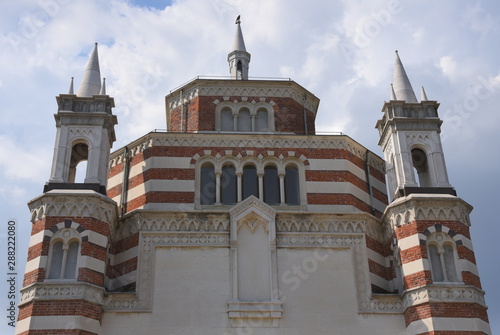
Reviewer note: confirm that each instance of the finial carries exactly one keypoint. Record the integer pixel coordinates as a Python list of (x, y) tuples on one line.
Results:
[(103, 87), (423, 96), (71, 91), (238, 21), (393, 94)]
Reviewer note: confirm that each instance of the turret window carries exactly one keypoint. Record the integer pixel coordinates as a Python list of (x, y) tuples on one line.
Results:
[(421, 167), (63, 254), (443, 257), (79, 157)]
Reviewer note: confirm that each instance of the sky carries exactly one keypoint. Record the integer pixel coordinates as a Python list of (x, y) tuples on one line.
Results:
[(342, 51)]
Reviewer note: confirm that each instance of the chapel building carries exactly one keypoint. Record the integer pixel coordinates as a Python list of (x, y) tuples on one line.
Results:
[(240, 219)]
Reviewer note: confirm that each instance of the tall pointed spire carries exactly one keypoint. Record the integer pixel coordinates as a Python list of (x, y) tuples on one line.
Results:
[(91, 82), (239, 58), (239, 42), (402, 86)]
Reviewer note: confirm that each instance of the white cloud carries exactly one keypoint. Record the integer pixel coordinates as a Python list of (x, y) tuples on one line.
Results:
[(448, 66)]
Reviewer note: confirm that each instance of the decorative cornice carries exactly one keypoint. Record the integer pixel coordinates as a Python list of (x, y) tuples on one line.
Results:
[(62, 291), (77, 204), (216, 140), (425, 207), (450, 294)]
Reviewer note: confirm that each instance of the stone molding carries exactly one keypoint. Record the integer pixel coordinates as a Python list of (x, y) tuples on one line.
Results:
[(274, 89), (215, 140), (62, 291), (437, 294), (411, 208), (69, 204)]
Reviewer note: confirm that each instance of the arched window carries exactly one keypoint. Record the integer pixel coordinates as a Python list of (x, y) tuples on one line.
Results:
[(226, 120), (244, 121), (63, 254), (207, 184), (271, 185), (442, 255), (250, 182), (292, 187), (261, 123), (79, 153), (228, 185), (420, 164)]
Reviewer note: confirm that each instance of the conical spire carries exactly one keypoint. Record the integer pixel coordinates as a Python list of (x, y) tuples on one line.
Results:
[(71, 90), (239, 42), (103, 87), (423, 96), (239, 58), (91, 82), (402, 86)]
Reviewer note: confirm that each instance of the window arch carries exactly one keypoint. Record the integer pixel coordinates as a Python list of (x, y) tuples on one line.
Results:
[(79, 153), (443, 257), (421, 167), (226, 119), (250, 182), (244, 116), (207, 184), (228, 191), (244, 120), (271, 185), (63, 254), (262, 120), (292, 185)]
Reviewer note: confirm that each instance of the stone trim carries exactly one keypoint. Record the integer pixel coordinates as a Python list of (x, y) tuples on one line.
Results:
[(62, 291)]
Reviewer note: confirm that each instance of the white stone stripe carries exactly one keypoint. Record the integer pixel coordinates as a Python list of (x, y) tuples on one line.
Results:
[(342, 188), (416, 266), (410, 241), (126, 279), (344, 165), (160, 186), (97, 238), (376, 257), (92, 264), (466, 265), (448, 324), (125, 255), (379, 281), (152, 163), (35, 263), (58, 322), (37, 238)]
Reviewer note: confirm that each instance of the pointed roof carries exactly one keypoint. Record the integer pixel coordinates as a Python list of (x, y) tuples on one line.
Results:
[(402, 86), (239, 43), (91, 82)]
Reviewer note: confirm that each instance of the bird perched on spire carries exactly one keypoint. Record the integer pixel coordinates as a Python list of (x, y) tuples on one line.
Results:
[(238, 21)]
